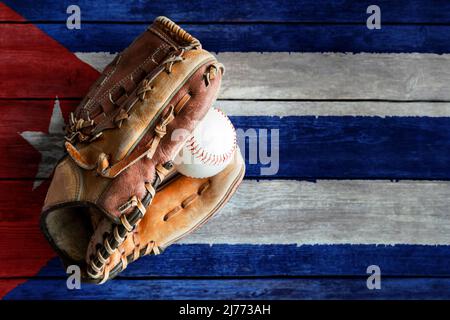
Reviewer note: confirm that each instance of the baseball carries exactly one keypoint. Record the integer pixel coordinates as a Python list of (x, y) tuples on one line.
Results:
[(210, 148)]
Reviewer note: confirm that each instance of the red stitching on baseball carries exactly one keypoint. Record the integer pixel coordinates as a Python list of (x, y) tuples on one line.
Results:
[(206, 157)]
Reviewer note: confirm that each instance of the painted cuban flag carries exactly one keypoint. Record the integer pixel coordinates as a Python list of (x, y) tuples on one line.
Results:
[(347, 144)]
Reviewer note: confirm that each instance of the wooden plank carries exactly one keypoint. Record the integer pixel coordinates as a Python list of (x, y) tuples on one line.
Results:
[(351, 147), (112, 37), (328, 76), (34, 65), (277, 108), (217, 289), (35, 157), (356, 212), (52, 71), (275, 260), (278, 212), (23, 248), (293, 212), (335, 76), (13, 209), (6, 285), (402, 77), (403, 11), (331, 147)]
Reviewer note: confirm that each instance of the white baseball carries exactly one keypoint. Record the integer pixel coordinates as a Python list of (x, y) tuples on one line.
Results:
[(210, 148)]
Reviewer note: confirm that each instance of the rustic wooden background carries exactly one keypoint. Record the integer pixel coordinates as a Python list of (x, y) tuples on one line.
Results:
[(364, 123)]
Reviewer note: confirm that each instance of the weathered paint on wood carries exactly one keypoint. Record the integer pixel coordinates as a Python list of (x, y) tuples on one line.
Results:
[(34, 65), (336, 76), (6, 285), (18, 157), (112, 37), (354, 147), (279, 212), (289, 212), (23, 248), (332, 212), (218, 289), (286, 212), (275, 260), (250, 11), (333, 108), (403, 77), (13, 209), (331, 147), (327, 76)]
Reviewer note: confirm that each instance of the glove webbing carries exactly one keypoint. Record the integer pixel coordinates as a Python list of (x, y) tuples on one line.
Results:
[(111, 243), (129, 222), (152, 247), (75, 129)]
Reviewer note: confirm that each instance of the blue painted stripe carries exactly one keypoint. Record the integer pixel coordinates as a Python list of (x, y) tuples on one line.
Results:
[(332, 288), (339, 147), (243, 260), (261, 271), (266, 37), (346, 147), (398, 11)]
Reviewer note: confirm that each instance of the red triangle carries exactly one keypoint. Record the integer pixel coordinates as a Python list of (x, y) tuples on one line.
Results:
[(33, 65), (6, 14)]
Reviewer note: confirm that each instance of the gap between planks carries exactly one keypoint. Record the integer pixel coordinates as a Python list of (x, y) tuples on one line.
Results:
[(280, 108), (300, 212), (336, 76), (338, 288), (250, 11)]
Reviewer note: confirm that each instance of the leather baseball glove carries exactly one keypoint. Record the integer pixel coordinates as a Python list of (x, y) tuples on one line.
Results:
[(116, 196)]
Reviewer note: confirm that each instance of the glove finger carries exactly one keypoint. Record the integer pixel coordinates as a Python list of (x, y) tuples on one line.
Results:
[(182, 206)]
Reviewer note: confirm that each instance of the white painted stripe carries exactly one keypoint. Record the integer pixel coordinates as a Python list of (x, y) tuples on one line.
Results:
[(330, 76), (332, 212), (320, 108)]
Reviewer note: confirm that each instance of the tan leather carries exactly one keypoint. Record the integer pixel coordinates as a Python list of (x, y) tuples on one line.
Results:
[(120, 144), (70, 183), (177, 210), (131, 181)]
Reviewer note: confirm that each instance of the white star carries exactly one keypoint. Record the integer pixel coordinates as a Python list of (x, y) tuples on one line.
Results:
[(49, 145)]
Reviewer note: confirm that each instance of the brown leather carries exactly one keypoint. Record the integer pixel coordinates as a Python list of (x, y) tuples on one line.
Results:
[(130, 182), (120, 139), (178, 209)]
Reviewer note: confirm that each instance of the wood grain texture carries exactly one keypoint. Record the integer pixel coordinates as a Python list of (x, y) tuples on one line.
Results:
[(6, 285), (334, 147), (231, 289), (332, 212), (112, 37), (23, 248), (263, 245), (352, 147), (14, 210), (327, 76), (336, 76), (330, 147), (19, 158), (309, 76), (282, 11), (34, 65), (275, 260), (277, 108), (290, 212)]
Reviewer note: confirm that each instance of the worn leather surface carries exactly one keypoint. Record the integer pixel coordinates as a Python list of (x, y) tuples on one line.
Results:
[(177, 210), (131, 182), (164, 74)]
